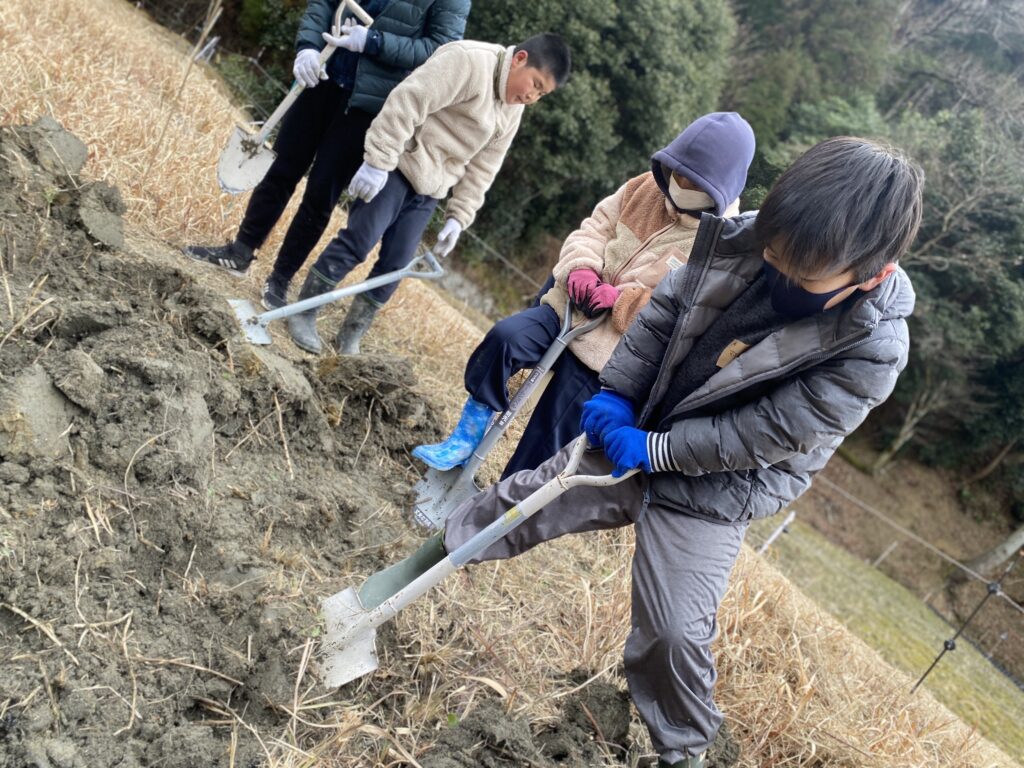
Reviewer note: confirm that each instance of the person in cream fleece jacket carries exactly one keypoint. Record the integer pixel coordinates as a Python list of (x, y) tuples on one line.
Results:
[(610, 264), (445, 128)]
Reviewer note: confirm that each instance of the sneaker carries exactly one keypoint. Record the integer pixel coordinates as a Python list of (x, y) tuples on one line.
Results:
[(234, 257), (275, 292)]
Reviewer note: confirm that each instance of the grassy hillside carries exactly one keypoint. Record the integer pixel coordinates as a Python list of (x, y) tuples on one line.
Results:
[(904, 631)]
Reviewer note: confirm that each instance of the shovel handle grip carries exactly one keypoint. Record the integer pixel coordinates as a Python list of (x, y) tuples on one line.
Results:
[(362, 15)]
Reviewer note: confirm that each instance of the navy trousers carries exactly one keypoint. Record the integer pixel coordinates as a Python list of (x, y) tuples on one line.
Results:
[(396, 218), (319, 134), (519, 342)]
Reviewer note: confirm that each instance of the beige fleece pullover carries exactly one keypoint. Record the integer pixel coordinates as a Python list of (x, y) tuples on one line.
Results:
[(632, 240), (447, 126)]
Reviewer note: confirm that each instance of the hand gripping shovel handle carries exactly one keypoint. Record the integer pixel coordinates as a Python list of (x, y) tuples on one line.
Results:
[(325, 54), (439, 492), (352, 632)]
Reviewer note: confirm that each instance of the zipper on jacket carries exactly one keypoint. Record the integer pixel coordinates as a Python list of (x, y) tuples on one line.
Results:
[(639, 250), (691, 278)]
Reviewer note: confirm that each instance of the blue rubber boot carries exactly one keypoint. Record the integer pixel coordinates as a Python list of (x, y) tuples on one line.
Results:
[(454, 451)]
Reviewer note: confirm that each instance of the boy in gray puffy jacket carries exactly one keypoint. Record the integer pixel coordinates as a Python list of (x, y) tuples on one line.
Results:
[(734, 386)]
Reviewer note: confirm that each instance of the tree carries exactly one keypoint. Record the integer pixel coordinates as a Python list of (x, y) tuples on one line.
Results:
[(792, 54), (987, 562)]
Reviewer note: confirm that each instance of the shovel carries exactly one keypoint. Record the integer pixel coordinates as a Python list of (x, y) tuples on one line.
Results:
[(352, 617), (439, 492), (246, 158), (254, 323)]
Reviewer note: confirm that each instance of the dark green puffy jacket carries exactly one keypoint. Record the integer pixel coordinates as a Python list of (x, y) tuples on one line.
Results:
[(411, 30)]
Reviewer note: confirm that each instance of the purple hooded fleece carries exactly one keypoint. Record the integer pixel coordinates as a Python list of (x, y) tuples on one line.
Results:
[(714, 152)]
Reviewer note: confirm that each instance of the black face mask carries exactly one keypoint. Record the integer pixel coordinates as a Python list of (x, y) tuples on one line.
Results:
[(790, 300)]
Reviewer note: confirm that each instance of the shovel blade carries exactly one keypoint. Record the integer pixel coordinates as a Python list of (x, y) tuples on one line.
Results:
[(248, 318), (346, 656), (243, 163), (438, 494)]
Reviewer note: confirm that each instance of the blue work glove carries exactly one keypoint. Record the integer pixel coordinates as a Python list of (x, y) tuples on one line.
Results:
[(626, 448), (604, 412)]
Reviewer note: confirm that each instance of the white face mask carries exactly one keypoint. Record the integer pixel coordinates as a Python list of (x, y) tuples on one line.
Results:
[(688, 199)]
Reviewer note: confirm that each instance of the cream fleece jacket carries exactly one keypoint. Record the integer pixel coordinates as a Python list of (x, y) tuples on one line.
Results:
[(447, 126), (632, 240)]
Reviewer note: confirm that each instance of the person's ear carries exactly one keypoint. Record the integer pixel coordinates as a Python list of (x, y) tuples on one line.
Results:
[(519, 58), (873, 282)]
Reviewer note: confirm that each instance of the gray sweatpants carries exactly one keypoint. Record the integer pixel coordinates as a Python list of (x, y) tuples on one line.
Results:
[(680, 572)]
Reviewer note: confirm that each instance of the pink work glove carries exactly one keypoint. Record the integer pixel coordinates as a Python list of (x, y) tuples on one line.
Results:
[(602, 298), (580, 283)]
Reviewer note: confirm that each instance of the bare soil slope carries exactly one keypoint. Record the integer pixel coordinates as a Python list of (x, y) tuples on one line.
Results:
[(174, 501)]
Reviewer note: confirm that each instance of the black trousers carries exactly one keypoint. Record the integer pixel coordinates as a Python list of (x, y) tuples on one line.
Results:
[(319, 134), (519, 342)]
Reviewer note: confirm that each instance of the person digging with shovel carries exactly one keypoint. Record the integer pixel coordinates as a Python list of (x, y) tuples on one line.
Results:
[(324, 131), (731, 390), (447, 127), (610, 264)]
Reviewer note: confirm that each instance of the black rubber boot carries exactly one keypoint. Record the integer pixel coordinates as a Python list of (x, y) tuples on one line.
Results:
[(357, 322), (302, 326), (235, 257)]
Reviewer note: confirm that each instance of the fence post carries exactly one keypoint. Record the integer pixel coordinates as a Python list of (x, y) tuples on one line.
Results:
[(783, 528)]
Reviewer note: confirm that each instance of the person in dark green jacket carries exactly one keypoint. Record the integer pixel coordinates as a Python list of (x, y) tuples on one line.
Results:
[(323, 132)]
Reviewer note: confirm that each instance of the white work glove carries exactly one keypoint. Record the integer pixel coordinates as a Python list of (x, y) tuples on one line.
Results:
[(307, 69), (447, 238), (352, 38), (367, 182)]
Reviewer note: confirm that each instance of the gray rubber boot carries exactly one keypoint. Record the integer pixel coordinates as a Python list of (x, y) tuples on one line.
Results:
[(357, 322), (302, 326)]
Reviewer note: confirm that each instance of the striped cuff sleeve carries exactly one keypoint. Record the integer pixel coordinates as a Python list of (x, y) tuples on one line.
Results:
[(659, 450)]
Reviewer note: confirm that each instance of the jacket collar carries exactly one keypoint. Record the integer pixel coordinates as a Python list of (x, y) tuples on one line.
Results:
[(736, 249), (501, 73)]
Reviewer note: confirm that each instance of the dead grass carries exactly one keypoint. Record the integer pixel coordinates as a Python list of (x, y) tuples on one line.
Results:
[(799, 689)]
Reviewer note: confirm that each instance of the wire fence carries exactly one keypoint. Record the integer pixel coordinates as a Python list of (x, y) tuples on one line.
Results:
[(1004, 636)]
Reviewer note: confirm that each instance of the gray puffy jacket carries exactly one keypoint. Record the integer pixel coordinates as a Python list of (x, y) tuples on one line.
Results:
[(749, 440), (410, 30)]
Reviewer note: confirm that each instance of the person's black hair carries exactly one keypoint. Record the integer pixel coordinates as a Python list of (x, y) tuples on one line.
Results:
[(550, 53), (845, 204)]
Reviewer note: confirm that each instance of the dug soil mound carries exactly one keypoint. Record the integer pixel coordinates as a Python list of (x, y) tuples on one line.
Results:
[(175, 502)]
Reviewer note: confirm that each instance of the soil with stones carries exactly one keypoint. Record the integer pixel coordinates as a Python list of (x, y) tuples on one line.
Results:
[(171, 498)]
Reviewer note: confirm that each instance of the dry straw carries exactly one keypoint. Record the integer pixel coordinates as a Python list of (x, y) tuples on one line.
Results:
[(798, 689)]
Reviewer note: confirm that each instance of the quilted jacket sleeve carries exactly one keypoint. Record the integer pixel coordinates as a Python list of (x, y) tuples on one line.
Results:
[(446, 21), (314, 22)]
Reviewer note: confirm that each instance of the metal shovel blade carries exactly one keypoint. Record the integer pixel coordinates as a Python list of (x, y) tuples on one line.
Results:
[(438, 493), (249, 318), (356, 656), (243, 163)]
